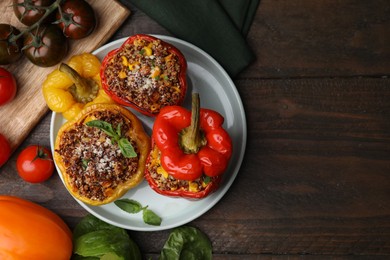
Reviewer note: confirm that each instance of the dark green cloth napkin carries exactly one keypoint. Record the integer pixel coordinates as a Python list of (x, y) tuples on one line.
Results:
[(219, 27), (241, 12)]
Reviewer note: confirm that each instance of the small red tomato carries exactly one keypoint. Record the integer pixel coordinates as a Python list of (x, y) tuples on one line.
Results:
[(7, 86), (35, 164), (5, 150)]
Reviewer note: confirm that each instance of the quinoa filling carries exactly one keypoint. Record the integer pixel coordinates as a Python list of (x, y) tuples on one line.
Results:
[(94, 164), (146, 74)]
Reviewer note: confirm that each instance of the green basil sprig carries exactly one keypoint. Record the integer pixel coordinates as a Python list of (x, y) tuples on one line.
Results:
[(116, 137), (133, 207)]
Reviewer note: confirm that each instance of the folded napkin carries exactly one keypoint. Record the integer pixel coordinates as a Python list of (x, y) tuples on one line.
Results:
[(219, 27), (241, 12)]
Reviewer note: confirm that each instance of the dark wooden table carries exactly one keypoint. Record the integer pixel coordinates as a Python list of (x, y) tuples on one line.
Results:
[(315, 181)]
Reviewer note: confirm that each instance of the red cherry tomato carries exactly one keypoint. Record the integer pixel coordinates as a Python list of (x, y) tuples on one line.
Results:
[(5, 150), (7, 86), (35, 164)]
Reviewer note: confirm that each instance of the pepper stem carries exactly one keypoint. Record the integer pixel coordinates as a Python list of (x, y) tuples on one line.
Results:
[(192, 138), (83, 90)]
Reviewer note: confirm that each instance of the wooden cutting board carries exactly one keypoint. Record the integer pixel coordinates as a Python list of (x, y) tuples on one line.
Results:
[(18, 117)]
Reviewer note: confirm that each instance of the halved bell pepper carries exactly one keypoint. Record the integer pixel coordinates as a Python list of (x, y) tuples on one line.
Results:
[(74, 85), (190, 151), (146, 74)]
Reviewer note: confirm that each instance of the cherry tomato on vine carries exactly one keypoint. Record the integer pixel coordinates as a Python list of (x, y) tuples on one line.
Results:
[(10, 50), (35, 164), (76, 18), (5, 150), (30, 11), (46, 46), (7, 86)]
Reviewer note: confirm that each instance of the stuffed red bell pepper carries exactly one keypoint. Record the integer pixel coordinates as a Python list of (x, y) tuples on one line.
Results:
[(190, 151), (145, 73)]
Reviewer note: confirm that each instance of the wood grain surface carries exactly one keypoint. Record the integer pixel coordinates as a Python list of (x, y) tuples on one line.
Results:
[(315, 181), (18, 117)]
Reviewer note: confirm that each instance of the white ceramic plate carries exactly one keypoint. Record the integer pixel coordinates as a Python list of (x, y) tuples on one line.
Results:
[(218, 92)]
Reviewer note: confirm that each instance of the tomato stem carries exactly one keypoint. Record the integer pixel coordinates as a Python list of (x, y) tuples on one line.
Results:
[(41, 154)]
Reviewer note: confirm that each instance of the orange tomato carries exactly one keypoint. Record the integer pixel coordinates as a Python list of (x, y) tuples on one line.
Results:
[(30, 231)]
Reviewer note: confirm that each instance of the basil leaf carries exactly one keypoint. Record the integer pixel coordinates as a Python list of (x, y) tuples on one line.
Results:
[(106, 127), (151, 218), (124, 144), (118, 129), (128, 205), (206, 179), (186, 243), (126, 148), (133, 206), (84, 163)]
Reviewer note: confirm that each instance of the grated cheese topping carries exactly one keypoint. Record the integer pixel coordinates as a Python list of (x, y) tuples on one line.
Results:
[(94, 164), (146, 74)]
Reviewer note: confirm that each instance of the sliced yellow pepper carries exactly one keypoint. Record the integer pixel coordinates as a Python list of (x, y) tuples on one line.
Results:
[(67, 93)]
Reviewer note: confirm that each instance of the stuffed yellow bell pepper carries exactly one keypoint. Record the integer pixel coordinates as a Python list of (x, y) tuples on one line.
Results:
[(101, 153), (74, 85)]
